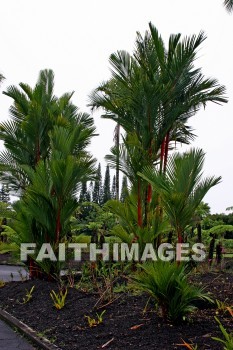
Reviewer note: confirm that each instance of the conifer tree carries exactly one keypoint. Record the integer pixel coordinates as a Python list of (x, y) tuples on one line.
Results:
[(113, 191), (83, 193), (90, 191), (98, 189), (124, 189), (106, 189)]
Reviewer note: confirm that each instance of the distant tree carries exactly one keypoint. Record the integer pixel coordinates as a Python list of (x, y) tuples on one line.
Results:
[(202, 211), (84, 195), (90, 191), (218, 219), (124, 189), (113, 191), (106, 189), (4, 194), (98, 188), (88, 196)]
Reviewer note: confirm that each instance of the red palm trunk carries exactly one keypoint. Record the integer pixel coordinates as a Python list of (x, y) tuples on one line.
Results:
[(58, 225), (180, 240), (162, 155), (149, 188), (166, 151), (149, 193), (139, 204)]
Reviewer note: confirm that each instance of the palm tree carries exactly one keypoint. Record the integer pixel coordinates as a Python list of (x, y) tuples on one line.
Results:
[(182, 188), (153, 93), (228, 5), (45, 157), (44, 212), (202, 211), (117, 145), (185, 88), (34, 114)]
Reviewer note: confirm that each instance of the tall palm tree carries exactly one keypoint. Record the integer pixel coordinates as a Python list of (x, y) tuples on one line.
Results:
[(185, 88), (153, 94), (182, 188), (130, 157), (117, 145), (228, 5), (45, 157), (34, 113)]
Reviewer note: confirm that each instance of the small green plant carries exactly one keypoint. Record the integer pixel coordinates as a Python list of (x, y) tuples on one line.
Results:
[(92, 322), (59, 298), (228, 337), (168, 285), (28, 295)]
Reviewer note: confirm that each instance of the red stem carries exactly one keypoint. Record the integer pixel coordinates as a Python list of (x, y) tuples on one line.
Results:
[(166, 151), (162, 154), (149, 193), (58, 225), (139, 204)]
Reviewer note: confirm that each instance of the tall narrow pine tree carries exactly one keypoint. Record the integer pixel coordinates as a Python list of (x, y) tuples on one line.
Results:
[(113, 191), (106, 190), (124, 189), (98, 189), (83, 193), (90, 191)]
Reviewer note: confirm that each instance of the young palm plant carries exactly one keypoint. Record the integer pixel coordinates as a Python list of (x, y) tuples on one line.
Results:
[(128, 230), (168, 285), (50, 200), (182, 188)]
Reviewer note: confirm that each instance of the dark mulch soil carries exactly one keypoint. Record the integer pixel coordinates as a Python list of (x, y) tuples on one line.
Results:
[(124, 322)]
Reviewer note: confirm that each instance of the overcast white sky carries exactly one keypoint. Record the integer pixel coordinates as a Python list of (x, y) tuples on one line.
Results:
[(75, 39)]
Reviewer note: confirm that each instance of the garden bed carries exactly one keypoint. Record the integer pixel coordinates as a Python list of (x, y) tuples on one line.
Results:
[(124, 326)]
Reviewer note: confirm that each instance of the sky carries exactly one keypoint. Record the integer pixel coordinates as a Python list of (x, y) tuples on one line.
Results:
[(75, 39)]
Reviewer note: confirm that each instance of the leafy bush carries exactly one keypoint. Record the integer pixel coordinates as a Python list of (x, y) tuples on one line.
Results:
[(168, 285)]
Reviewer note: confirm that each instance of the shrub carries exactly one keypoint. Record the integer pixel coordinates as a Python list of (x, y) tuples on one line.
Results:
[(168, 285)]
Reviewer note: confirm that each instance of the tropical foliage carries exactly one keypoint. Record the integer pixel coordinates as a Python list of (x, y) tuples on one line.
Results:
[(46, 158), (168, 285), (182, 188), (27, 135), (151, 95)]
